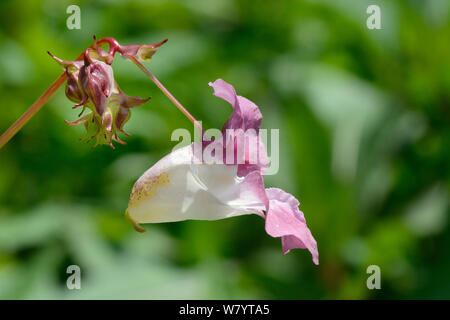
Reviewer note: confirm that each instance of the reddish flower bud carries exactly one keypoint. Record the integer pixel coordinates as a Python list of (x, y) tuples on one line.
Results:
[(72, 68), (97, 82), (73, 90), (141, 52)]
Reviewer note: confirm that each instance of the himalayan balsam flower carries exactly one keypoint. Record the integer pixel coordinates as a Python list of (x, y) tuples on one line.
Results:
[(179, 187), (91, 85)]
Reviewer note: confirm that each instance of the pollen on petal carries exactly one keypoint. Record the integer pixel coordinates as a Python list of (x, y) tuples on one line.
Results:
[(146, 188)]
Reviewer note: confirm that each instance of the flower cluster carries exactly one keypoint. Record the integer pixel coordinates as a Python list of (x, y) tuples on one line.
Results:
[(183, 185), (91, 85)]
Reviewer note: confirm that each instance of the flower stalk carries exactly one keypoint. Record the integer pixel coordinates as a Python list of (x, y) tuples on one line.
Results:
[(166, 92), (35, 107)]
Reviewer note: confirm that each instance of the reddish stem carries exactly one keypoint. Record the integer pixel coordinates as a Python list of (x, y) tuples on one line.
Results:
[(35, 107), (166, 92)]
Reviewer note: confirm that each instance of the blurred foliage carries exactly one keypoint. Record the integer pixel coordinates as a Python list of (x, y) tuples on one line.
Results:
[(364, 127)]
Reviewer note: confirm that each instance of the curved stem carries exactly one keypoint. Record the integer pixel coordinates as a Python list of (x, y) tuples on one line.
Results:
[(166, 92), (35, 107)]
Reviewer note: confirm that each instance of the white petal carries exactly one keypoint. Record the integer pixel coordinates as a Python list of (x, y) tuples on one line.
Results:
[(176, 188)]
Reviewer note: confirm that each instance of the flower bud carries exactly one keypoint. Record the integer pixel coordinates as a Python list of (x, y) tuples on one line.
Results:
[(73, 90), (97, 82), (72, 68), (141, 52)]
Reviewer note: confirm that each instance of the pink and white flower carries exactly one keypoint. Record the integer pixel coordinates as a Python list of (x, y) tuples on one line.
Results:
[(179, 187)]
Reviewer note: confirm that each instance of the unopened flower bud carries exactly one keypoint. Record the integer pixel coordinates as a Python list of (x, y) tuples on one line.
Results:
[(141, 52), (73, 90), (97, 82)]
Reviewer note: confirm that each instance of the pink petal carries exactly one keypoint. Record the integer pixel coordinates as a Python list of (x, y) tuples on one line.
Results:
[(250, 114), (225, 91), (245, 116), (285, 220)]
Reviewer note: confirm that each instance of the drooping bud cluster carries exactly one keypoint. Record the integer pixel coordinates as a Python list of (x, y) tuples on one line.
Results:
[(91, 85)]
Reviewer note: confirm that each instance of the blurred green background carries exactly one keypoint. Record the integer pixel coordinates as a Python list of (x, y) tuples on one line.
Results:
[(364, 128)]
